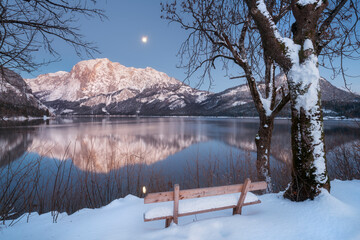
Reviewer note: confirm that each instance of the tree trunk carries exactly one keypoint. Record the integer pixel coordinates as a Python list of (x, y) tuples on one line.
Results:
[(263, 145), (297, 57), (309, 173)]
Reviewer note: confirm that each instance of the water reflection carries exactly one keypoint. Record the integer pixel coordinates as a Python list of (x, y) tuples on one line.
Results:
[(14, 142), (73, 163), (107, 143)]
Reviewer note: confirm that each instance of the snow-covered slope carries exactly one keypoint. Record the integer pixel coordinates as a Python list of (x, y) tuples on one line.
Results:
[(16, 98), (101, 87), (237, 101), (334, 216), (94, 77)]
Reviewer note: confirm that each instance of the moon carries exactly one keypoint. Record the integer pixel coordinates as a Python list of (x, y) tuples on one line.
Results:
[(144, 39)]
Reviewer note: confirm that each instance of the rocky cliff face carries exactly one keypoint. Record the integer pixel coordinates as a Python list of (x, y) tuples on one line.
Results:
[(91, 78), (100, 86), (16, 98)]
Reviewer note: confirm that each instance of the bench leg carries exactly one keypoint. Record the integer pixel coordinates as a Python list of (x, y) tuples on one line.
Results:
[(244, 191), (168, 222)]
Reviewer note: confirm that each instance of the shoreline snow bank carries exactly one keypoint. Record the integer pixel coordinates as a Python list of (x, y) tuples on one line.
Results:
[(335, 216)]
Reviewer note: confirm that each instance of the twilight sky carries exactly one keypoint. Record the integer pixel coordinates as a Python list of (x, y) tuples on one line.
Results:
[(119, 39)]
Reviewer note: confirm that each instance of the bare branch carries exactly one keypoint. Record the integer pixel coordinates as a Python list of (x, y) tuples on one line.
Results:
[(28, 26)]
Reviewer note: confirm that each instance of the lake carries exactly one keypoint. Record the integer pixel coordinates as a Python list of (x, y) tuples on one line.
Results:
[(67, 164)]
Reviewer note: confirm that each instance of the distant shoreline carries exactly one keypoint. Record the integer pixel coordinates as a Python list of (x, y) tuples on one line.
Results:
[(24, 119)]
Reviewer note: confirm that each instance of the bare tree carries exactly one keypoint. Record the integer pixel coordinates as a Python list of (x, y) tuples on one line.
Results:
[(320, 28), (27, 26), (297, 36), (224, 30)]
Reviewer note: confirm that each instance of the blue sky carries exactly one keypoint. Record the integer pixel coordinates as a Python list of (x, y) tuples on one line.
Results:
[(119, 39)]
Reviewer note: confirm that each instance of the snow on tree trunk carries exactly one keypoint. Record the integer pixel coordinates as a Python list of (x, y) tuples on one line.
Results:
[(309, 173), (263, 145), (297, 57)]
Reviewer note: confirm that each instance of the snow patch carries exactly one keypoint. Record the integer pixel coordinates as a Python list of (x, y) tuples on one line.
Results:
[(67, 111), (308, 45), (307, 2), (180, 103), (238, 103), (328, 111), (104, 110), (202, 97)]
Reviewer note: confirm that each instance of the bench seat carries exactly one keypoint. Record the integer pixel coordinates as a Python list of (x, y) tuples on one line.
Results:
[(165, 210)]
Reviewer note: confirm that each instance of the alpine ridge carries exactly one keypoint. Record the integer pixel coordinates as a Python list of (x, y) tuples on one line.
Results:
[(16, 98), (99, 87)]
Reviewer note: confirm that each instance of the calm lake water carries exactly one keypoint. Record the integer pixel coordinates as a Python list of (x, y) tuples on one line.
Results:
[(71, 163)]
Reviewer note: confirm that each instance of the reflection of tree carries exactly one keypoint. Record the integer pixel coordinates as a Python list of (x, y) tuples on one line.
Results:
[(339, 135), (13, 144), (111, 163), (241, 136), (104, 147), (335, 136)]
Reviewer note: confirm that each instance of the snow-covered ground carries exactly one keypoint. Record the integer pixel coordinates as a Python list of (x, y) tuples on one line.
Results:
[(335, 216)]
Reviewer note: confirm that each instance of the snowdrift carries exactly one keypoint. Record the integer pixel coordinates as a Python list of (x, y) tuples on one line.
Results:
[(335, 216)]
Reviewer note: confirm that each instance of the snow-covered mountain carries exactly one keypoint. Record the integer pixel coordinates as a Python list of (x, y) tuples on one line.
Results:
[(89, 79), (237, 101), (100, 86), (16, 98)]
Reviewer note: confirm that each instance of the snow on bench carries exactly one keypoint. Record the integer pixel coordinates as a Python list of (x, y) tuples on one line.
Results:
[(199, 205), (201, 200)]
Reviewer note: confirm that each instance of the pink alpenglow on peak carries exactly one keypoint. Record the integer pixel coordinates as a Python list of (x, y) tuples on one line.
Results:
[(97, 76)]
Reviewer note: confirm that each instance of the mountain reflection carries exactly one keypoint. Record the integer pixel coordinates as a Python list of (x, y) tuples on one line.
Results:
[(13, 144), (103, 153), (101, 145)]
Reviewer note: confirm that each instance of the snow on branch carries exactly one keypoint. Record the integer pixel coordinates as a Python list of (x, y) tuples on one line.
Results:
[(273, 42), (262, 8), (308, 2)]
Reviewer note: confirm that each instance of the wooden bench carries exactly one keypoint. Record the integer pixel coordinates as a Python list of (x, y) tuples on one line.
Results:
[(201, 200)]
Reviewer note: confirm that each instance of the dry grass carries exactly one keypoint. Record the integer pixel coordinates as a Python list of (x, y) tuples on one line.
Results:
[(37, 184), (344, 162)]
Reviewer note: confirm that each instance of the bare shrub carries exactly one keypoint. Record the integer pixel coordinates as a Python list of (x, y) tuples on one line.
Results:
[(43, 184), (344, 161)]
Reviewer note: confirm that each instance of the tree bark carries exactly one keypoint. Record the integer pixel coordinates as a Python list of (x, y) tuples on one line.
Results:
[(298, 58), (309, 172), (263, 145)]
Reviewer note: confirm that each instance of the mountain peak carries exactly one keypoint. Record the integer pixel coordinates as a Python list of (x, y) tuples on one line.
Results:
[(149, 69), (98, 64), (93, 77), (91, 62)]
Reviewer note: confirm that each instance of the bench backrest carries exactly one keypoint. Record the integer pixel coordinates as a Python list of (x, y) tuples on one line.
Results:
[(202, 192)]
